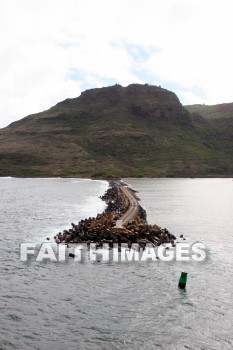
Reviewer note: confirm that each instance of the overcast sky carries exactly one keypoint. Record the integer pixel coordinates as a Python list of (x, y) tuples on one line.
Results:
[(54, 49)]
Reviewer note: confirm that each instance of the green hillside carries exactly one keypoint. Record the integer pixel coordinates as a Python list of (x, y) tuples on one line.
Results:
[(139, 130), (224, 110)]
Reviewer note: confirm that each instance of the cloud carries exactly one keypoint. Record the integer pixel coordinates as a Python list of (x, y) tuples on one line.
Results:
[(52, 50)]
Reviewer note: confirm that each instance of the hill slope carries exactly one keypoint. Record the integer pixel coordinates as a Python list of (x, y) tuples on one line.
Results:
[(139, 130), (223, 110)]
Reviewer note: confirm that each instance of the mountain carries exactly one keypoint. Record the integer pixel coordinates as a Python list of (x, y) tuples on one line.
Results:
[(116, 131)]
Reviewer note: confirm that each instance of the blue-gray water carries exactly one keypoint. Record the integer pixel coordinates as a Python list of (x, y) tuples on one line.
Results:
[(116, 306)]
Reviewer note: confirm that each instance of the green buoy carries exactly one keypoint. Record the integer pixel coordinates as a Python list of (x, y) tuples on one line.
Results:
[(183, 280)]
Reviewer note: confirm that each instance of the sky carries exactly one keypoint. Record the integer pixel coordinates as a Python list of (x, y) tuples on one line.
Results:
[(51, 50)]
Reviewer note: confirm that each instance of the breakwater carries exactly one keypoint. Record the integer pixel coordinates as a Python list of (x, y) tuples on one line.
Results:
[(123, 221)]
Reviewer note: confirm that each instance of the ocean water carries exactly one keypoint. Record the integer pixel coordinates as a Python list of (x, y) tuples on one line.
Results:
[(70, 305)]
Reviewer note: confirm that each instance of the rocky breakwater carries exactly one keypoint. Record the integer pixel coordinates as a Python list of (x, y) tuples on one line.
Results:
[(107, 227)]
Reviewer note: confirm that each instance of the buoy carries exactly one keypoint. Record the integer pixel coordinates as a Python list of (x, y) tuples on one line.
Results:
[(183, 280)]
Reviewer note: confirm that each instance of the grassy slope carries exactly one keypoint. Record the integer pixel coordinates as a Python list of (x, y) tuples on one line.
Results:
[(115, 131), (224, 110)]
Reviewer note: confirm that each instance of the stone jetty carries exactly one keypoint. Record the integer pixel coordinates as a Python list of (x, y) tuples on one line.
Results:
[(110, 227)]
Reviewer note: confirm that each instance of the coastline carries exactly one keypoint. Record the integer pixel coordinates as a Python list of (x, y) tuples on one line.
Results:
[(109, 178)]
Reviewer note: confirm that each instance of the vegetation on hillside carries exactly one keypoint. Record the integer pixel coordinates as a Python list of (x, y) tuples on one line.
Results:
[(224, 110)]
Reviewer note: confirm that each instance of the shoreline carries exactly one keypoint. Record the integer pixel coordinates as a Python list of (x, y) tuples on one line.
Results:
[(230, 176)]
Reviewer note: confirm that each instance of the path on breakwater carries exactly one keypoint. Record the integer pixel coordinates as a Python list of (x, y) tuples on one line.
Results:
[(133, 209)]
